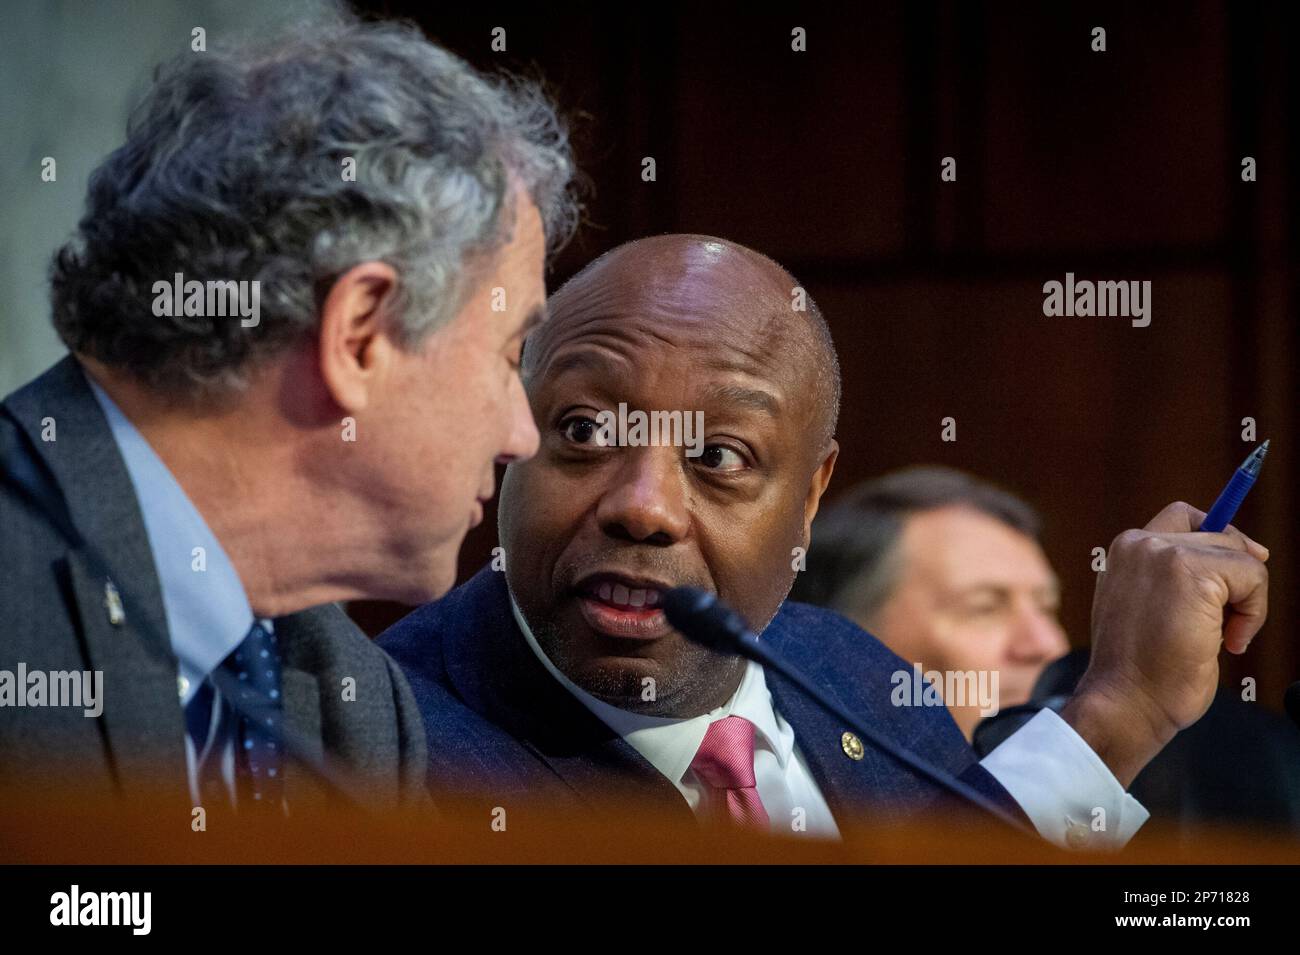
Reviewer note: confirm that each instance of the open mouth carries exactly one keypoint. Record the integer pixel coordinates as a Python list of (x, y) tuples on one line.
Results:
[(623, 606)]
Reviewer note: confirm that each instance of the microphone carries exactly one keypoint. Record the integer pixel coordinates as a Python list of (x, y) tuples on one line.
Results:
[(1291, 700), (704, 619)]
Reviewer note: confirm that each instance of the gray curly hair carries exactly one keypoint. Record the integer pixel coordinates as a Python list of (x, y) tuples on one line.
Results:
[(232, 169)]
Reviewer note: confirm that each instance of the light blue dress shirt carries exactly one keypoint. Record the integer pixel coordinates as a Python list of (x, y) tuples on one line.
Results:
[(208, 613)]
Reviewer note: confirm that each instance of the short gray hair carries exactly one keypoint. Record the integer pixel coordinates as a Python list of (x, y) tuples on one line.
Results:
[(232, 169), (852, 561)]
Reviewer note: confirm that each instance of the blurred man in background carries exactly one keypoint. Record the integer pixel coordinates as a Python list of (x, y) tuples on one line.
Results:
[(948, 571)]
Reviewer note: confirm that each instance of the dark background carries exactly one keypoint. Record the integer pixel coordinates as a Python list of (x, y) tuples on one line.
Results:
[(1115, 166)]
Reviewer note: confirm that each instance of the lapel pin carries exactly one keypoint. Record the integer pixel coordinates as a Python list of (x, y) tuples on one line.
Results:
[(113, 603), (852, 746)]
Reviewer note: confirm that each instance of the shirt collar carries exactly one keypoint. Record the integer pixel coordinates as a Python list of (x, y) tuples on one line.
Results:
[(670, 745), (208, 613)]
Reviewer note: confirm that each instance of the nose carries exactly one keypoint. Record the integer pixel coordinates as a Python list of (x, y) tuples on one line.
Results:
[(1037, 636), (522, 439), (647, 501)]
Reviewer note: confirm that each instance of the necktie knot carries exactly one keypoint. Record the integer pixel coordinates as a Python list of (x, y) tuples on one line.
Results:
[(725, 763), (725, 759)]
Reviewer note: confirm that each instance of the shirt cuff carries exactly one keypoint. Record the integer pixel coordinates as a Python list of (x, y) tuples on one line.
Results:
[(1068, 793)]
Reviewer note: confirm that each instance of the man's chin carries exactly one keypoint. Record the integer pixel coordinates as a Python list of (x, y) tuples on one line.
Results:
[(433, 584), (625, 682), (629, 673)]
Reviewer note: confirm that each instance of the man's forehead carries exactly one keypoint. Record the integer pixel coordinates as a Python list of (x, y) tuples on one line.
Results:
[(742, 390), (667, 361), (704, 332), (688, 304), (966, 548), (688, 299)]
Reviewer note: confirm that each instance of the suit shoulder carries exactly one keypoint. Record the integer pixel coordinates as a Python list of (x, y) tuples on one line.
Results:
[(416, 641), (416, 638), (805, 626), (325, 637), (864, 673)]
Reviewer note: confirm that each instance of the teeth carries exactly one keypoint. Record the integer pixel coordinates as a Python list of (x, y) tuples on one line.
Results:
[(620, 595)]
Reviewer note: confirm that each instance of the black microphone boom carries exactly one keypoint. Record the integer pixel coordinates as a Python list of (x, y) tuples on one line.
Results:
[(701, 617)]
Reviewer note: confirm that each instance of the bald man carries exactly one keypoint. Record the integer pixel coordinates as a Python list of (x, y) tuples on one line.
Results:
[(559, 670)]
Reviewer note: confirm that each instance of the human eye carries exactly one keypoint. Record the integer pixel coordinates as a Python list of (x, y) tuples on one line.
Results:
[(722, 457), (583, 430)]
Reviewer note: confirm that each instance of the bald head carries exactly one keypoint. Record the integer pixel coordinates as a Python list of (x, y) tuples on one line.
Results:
[(725, 290)]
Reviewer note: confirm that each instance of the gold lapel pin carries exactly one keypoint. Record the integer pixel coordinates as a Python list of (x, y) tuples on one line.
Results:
[(852, 746)]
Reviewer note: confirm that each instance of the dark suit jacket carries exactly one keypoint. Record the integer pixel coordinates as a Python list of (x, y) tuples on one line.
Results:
[(54, 616), (498, 723)]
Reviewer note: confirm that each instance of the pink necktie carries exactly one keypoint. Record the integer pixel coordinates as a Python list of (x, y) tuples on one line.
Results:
[(725, 762)]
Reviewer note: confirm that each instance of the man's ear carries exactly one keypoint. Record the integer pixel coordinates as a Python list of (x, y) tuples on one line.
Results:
[(355, 344), (820, 479)]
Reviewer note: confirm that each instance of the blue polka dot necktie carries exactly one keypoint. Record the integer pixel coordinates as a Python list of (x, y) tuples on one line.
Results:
[(250, 675)]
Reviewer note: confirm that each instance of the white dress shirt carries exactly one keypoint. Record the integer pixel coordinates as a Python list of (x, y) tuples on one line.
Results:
[(1064, 788)]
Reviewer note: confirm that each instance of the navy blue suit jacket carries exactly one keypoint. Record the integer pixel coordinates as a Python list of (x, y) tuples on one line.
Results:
[(498, 723)]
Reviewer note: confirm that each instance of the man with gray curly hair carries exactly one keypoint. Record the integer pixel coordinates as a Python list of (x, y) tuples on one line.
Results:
[(295, 308)]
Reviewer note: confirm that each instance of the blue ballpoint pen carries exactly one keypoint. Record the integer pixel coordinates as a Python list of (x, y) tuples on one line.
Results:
[(1225, 508)]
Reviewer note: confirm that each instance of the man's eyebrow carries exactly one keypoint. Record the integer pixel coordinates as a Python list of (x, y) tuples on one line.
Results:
[(726, 394), (983, 585), (754, 398), (1004, 590)]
